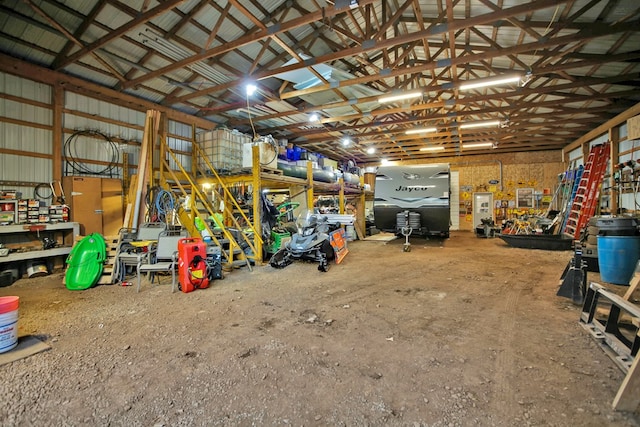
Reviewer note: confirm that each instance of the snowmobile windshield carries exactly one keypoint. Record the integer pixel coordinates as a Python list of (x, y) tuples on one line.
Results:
[(307, 222)]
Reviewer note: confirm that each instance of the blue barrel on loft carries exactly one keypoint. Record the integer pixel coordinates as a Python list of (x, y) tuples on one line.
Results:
[(617, 258)]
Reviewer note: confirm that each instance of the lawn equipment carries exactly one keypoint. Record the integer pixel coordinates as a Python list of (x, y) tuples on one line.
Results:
[(280, 233), (310, 243)]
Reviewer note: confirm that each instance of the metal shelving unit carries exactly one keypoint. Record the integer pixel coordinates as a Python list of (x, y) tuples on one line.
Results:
[(63, 233)]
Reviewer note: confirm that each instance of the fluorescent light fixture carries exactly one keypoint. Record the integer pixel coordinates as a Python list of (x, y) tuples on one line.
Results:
[(371, 150), (399, 97), (484, 124), (478, 145), (433, 148), (421, 130), (490, 82)]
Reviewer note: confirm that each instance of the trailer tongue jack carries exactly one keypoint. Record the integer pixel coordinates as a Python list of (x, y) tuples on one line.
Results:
[(574, 278)]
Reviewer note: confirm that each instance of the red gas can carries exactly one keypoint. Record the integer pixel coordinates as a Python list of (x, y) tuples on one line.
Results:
[(192, 266)]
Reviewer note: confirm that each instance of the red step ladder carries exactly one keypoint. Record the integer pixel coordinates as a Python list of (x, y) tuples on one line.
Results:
[(586, 199)]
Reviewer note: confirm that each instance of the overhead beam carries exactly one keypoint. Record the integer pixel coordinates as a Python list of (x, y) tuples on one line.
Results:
[(112, 35), (243, 41), (588, 34), (74, 84), (603, 128), (377, 45)]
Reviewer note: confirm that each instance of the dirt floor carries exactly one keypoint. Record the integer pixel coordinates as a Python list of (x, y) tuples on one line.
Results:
[(465, 331)]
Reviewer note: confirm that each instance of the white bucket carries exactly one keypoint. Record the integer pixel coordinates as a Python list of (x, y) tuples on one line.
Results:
[(8, 323)]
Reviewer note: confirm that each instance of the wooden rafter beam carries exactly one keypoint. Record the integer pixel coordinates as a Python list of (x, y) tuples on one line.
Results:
[(114, 34), (521, 93), (482, 113), (381, 45), (86, 22), (596, 32), (115, 73), (243, 41)]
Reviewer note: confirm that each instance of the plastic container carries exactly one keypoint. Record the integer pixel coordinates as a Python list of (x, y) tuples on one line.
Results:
[(8, 323), (617, 226), (617, 258), (192, 267), (36, 269)]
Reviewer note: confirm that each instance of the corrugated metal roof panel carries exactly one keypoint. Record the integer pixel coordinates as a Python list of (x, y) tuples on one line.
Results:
[(83, 7), (208, 17), (87, 74), (112, 17), (143, 93), (166, 21)]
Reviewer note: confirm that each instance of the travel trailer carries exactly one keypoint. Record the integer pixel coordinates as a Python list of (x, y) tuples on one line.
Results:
[(413, 198)]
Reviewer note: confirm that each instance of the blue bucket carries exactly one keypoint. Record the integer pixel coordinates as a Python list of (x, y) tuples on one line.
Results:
[(617, 258)]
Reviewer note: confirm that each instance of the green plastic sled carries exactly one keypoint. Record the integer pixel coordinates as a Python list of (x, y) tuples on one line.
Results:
[(85, 263)]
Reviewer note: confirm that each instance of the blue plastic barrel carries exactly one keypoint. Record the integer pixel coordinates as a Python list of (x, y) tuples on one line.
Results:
[(617, 258)]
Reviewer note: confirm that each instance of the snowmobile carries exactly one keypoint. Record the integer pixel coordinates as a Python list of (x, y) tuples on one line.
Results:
[(310, 243)]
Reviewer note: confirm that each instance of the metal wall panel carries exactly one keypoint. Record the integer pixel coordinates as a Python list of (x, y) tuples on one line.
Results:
[(24, 169), (21, 111), (185, 162), (112, 130), (97, 149), (23, 138), (178, 128), (23, 88), (103, 109)]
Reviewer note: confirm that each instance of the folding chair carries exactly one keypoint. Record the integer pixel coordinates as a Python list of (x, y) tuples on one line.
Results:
[(164, 258), (137, 246)]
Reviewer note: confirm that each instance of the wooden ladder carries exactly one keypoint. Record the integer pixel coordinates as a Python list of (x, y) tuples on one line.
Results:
[(586, 198)]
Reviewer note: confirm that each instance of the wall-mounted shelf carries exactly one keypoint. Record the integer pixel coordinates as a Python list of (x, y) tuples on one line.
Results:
[(29, 236)]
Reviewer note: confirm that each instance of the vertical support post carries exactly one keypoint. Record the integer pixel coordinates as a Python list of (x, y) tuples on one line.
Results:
[(126, 178), (341, 196), (297, 193), (225, 212), (360, 214), (194, 152), (309, 185), (152, 147), (58, 106), (614, 153), (147, 139), (257, 199), (162, 143)]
